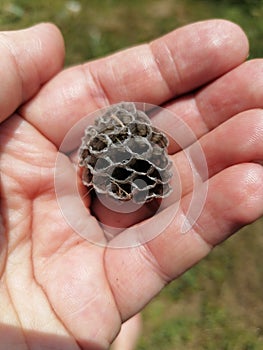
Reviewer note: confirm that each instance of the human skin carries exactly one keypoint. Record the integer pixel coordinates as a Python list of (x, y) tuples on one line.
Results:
[(58, 290)]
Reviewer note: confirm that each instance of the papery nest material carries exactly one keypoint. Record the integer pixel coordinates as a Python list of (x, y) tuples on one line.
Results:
[(124, 156)]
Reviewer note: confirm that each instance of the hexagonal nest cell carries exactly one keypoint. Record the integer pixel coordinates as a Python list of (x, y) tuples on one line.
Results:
[(125, 157)]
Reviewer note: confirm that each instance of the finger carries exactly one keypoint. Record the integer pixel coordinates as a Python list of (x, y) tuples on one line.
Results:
[(172, 65), (238, 140), (235, 92), (234, 199), (29, 58)]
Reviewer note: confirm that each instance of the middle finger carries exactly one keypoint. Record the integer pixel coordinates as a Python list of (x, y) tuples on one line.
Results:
[(235, 92)]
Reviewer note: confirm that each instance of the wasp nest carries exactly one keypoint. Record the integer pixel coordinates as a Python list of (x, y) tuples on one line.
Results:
[(124, 156)]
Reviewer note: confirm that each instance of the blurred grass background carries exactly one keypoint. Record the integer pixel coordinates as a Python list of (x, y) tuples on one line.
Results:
[(219, 303)]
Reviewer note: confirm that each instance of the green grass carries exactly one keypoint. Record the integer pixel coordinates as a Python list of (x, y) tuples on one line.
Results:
[(218, 304)]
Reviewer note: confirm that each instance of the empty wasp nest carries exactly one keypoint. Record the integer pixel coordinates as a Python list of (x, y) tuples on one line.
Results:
[(124, 156)]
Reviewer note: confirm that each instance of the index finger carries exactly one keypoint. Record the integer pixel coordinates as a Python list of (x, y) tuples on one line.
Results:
[(170, 66)]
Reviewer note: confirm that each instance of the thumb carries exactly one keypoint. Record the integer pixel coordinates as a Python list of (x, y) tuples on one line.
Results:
[(29, 58)]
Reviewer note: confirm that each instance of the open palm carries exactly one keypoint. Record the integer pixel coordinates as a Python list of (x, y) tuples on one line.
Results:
[(58, 290)]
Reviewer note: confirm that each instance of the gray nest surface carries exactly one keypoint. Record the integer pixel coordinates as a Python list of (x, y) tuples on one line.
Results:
[(125, 157)]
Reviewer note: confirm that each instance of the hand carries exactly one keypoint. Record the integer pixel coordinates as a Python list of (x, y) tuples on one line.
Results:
[(57, 289)]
